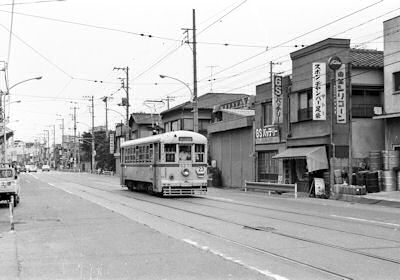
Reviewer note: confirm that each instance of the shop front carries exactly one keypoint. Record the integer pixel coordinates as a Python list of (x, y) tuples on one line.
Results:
[(302, 164)]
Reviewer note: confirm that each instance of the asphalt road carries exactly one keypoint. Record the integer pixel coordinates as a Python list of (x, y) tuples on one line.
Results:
[(81, 226)]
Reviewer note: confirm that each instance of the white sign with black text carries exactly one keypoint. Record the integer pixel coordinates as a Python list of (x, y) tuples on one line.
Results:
[(277, 99), (341, 115), (319, 91)]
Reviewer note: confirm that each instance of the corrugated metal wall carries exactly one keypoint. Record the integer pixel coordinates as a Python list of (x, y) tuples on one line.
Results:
[(232, 151)]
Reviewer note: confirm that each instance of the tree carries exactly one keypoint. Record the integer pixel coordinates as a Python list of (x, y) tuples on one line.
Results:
[(103, 158)]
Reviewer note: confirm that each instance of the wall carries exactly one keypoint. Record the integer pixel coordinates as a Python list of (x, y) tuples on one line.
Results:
[(391, 58), (232, 150), (368, 135), (392, 133)]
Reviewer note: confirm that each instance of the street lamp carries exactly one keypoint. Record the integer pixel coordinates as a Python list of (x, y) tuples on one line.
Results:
[(2, 105), (193, 99)]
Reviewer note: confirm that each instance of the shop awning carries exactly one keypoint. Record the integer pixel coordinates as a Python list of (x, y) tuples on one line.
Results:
[(315, 156)]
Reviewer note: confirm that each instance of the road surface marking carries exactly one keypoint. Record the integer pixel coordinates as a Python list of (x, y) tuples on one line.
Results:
[(221, 198), (367, 221), (51, 184), (205, 248)]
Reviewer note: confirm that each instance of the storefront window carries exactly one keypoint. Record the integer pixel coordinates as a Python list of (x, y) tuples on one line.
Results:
[(267, 167)]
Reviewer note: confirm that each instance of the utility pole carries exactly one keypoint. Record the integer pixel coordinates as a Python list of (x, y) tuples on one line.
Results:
[(54, 144), (93, 150), (195, 107), (126, 84), (168, 99), (75, 150), (105, 100)]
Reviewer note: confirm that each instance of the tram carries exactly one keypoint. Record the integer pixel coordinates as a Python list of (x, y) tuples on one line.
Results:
[(169, 164)]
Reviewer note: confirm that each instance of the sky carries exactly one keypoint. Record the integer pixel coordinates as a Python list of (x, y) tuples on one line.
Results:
[(76, 44)]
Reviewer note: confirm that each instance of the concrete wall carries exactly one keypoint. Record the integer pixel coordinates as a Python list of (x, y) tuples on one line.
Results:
[(391, 57), (368, 135), (232, 150)]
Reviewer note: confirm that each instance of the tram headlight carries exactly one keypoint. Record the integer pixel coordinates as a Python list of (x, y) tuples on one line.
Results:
[(185, 172)]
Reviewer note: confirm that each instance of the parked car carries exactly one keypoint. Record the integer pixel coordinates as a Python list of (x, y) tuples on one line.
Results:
[(9, 185), (31, 168), (45, 167)]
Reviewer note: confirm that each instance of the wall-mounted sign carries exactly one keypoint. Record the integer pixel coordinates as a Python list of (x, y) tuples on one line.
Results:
[(267, 134), (319, 91), (334, 63), (341, 115), (277, 99)]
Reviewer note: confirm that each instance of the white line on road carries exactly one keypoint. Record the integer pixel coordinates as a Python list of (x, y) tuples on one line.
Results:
[(367, 221), (51, 184), (205, 248)]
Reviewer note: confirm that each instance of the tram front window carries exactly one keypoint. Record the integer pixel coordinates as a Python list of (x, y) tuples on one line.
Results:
[(185, 152)]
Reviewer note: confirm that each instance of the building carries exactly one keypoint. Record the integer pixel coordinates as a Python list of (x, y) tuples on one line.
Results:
[(180, 117), (323, 131), (391, 106), (230, 136), (143, 124), (270, 132)]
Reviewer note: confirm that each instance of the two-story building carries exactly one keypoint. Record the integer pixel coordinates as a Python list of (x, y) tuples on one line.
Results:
[(180, 117), (391, 106), (333, 92)]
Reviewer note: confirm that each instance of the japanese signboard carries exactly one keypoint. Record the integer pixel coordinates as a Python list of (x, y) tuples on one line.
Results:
[(277, 99), (112, 143), (267, 134), (341, 115), (319, 90)]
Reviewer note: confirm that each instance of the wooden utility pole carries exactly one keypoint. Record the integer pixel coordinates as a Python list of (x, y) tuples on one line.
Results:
[(126, 85), (195, 105), (93, 149)]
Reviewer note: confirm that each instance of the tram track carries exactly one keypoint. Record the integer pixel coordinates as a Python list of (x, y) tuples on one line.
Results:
[(254, 248)]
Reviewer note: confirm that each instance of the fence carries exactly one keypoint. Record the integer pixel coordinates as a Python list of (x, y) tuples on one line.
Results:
[(271, 187)]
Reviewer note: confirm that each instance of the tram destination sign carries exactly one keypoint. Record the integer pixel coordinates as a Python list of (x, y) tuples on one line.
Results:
[(267, 134)]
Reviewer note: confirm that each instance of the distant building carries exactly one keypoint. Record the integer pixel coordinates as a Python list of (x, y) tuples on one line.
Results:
[(180, 117), (391, 106)]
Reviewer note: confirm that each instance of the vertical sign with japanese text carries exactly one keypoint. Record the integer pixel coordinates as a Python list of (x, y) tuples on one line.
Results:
[(276, 99), (341, 115), (319, 91), (112, 143)]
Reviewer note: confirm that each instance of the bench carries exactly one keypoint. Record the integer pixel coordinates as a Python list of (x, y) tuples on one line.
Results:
[(271, 187)]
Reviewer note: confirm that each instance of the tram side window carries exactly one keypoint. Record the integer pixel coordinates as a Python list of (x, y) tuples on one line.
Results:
[(199, 151), (170, 150), (185, 152)]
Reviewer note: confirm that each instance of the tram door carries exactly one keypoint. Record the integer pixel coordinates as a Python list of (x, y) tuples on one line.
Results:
[(156, 158)]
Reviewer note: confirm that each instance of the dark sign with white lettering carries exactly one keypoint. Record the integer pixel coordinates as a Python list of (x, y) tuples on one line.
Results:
[(267, 134)]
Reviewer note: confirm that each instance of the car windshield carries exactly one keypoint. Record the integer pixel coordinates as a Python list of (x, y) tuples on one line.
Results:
[(6, 173)]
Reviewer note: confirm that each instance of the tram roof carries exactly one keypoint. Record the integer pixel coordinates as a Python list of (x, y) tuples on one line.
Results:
[(171, 136)]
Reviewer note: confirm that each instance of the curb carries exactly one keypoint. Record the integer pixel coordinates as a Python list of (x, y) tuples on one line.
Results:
[(366, 200)]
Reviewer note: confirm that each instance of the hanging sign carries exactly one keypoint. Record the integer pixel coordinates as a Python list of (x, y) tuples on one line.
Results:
[(277, 99), (319, 91), (341, 115)]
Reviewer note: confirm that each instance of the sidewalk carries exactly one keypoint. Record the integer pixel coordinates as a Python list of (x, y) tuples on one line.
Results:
[(389, 199)]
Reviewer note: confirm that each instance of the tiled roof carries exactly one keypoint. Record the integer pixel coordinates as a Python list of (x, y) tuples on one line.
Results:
[(144, 118), (208, 100), (241, 112), (366, 58)]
